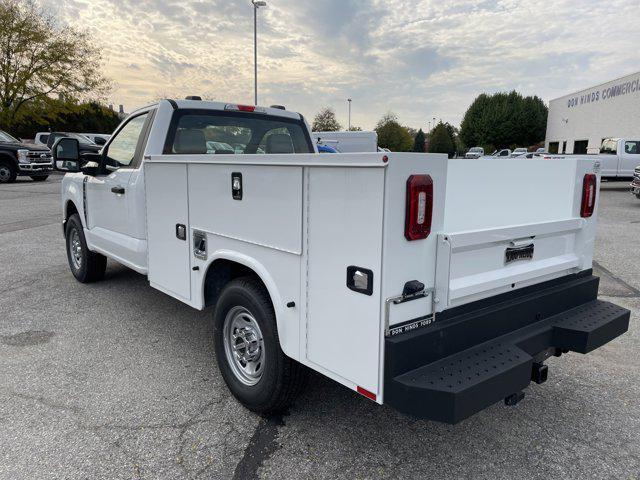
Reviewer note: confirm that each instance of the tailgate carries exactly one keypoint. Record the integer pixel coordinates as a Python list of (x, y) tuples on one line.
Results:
[(509, 224)]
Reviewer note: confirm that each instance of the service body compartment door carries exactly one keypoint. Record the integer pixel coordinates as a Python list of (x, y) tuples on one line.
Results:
[(344, 229), (167, 207)]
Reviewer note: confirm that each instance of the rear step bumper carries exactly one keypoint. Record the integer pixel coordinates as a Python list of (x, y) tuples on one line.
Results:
[(463, 363)]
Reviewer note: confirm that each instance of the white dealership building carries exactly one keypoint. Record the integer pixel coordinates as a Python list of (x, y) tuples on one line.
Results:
[(579, 121)]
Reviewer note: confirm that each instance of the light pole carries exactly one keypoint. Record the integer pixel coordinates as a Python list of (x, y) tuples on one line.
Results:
[(349, 100), (434, 122), (256, 4)]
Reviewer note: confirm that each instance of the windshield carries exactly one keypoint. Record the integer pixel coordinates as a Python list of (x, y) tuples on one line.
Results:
[(216, 132), (475, 150), (6, 138)]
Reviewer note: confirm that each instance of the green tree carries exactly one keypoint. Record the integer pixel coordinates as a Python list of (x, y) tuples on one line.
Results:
[(418, 141), (355, 129), (90, 117), (326, 121), (41, 59), (441, 140), (392, 135), (504, 120)]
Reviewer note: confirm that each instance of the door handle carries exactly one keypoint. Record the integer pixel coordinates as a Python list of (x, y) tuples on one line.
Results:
[(117, 190)]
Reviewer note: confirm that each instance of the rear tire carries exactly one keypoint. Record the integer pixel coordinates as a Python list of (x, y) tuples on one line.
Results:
[(8, 172), (41, 178), (248, 352), (86, 266)]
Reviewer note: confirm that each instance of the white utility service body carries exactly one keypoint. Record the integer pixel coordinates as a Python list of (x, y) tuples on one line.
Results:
[(353, 296)]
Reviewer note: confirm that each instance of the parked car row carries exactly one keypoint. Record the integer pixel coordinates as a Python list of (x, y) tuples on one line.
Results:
[(19, 158), (22, 159)]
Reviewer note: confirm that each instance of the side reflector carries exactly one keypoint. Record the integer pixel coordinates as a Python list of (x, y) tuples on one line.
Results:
[(419, 207), (367, 393), (589, 192)]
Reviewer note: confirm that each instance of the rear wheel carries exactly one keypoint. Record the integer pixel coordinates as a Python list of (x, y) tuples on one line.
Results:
[(41, 178), (248, 352), (8, 172), (86, 266)]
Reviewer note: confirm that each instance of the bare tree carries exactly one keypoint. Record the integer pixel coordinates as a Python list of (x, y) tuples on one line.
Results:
[(41, 59)]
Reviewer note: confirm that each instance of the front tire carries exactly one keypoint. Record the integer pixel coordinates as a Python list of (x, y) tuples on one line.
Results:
[(86, 266), (8, 172), (248, 352)]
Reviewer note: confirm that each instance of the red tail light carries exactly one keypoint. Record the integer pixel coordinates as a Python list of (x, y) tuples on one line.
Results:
[(419, 207), (246, 108), (589, 192)]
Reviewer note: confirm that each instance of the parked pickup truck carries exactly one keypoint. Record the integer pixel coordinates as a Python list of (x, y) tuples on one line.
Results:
[(475, 152), (23, 159), (619, 157), (366, 267)]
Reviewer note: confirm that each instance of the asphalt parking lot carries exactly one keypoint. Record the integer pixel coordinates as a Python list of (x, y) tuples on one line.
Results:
[(117, 380)]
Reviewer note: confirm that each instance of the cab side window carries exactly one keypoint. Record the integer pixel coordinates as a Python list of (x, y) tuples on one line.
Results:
[(632, 148), (122, 149)]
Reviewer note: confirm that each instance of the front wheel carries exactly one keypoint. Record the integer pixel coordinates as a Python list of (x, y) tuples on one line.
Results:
[(86, 266), (248, 352), (8, 172)]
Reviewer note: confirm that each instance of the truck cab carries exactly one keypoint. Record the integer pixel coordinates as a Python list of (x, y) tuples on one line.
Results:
[(619, 157)]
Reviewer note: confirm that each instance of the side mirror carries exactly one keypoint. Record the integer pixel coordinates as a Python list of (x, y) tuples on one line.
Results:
[(100, 141), (66, 155)]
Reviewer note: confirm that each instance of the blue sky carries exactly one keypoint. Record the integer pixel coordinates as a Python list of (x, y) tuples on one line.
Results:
[(419, 59)]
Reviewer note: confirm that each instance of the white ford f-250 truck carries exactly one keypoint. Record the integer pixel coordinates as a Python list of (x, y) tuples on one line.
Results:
[(619, 157), (433, 286)]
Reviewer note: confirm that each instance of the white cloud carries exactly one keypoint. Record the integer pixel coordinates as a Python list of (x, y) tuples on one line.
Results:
[(420, 59)]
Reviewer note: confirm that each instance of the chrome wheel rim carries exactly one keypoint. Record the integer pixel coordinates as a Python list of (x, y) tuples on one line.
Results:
[(75, 249), (243, 345), (5, 173)]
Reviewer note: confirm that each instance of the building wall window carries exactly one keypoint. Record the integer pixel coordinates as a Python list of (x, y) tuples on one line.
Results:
[(553, 147), (580, 147), (564, 147)]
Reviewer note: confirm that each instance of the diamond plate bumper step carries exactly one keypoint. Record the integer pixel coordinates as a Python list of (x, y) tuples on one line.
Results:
[(456, 386)]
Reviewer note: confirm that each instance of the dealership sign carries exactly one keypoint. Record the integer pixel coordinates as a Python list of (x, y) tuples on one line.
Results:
[(606, 93)]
